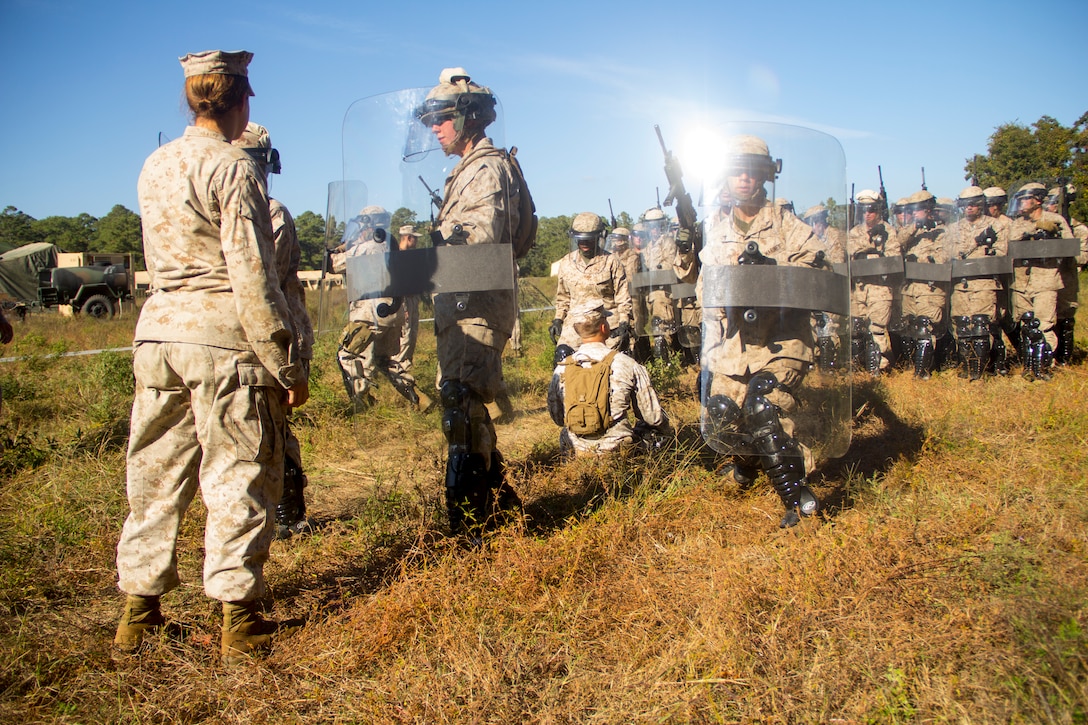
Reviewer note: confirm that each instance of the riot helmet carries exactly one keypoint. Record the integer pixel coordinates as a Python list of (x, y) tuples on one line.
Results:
[(585, 233), (995, 198), (456, 98), (618, 240), (654, 223), (371, 223), (868, 202), (748, 166), (973, 201), (920, 201), (1027, 199), (256, 142)]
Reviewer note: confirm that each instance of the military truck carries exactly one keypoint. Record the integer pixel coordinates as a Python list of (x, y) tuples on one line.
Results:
[(96, 288)]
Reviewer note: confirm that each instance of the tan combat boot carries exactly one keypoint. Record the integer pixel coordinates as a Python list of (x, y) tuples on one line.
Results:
[(425, 403), (246, 632), (141, 614)]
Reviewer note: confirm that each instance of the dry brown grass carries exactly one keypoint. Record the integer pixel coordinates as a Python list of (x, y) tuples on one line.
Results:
[(945, 582)]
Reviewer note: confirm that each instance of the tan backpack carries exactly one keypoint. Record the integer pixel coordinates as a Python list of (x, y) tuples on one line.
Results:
[(586, 396)]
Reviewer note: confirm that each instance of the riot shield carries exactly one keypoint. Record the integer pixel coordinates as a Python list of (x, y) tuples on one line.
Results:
[(404, 169), (346, 200), (766, 285)]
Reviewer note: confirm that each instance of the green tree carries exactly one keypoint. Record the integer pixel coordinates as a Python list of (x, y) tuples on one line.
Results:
[(17, 228), (121, 231), (1046, 151), (552, 242), (70, 234), (310, 228)]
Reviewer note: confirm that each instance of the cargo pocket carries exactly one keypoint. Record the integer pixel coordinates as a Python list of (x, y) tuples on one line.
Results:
[(251, 413)]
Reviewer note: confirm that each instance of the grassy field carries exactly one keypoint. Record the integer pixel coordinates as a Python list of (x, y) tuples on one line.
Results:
[(945, 581)]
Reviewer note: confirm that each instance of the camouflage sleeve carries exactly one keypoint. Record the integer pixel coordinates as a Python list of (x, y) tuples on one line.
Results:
[(288, 253), (246, 235), (622, 292), (481, 206), (802, 240), (562, 294), (644, 403)]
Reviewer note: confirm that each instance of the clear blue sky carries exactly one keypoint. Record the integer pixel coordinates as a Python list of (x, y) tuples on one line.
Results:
[(88, 86)]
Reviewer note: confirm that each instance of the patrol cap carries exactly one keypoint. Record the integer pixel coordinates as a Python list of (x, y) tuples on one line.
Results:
[(222, 62), (591, 312), (407, 230), (972, 196)]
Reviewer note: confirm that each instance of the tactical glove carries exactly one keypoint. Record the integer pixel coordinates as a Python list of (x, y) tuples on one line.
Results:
[(878, 235), (555, 330), (683, 241), (986, 238)]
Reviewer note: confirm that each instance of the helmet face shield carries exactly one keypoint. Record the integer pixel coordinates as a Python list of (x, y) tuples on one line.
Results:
[(436, 111)]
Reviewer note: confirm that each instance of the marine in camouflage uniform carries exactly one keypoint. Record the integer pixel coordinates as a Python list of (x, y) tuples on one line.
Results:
[(1069, 295), (618, 243), (768, 356), (215, 361), (1037, 282), (872, 299), (974, 302), (590, 274), (480, 206), (925, 302), (996, 201), (291, 509), (659, 253), (371, 341), (629, 390)]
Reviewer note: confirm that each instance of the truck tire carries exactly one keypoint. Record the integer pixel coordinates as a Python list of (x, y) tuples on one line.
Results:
[(99, 307)]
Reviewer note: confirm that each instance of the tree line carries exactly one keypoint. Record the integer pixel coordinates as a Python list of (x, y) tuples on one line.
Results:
[(1043, 151)]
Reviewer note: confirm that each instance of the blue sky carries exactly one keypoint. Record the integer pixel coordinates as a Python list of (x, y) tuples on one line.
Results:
[(88, 86)]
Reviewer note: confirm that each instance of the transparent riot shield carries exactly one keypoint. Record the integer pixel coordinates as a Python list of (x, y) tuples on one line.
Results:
[(766, 285), (346, 200), (404, 170)]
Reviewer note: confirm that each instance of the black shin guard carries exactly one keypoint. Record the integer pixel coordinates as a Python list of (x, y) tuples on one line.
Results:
[(1063, 355), (780, 454), (1035, 351), (291, 510)]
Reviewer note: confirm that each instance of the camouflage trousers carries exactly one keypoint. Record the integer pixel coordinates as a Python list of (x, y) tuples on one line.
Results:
[(208, 418), (1045, 306), (874, 303), (1070, 291), (386, 349), (790, 373), (968, 303)]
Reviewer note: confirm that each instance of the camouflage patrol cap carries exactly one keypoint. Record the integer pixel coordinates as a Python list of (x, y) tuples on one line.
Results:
[(407, 231), (254, 137), (587, 223), (867, 196), (972, 195), (216, 62), (815, 212), (591, 312)]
